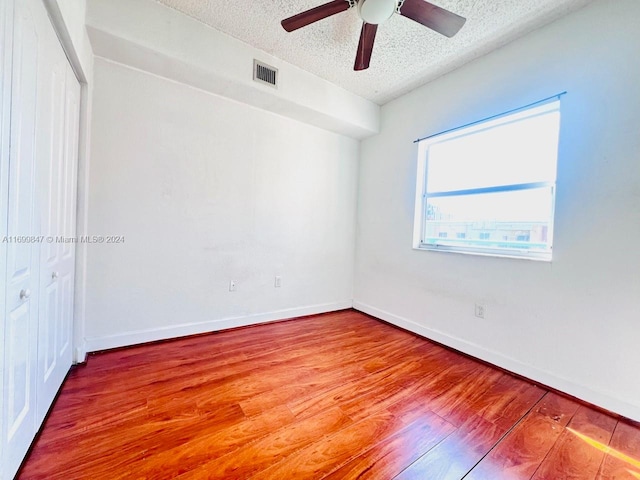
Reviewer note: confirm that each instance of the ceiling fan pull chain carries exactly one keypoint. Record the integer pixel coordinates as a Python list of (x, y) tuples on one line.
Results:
[(400, 2)]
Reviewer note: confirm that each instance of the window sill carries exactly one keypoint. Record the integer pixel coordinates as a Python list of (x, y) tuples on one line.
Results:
[(529, 256)]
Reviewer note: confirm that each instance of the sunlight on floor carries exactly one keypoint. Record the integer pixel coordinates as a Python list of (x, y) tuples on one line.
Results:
[(609, 451)]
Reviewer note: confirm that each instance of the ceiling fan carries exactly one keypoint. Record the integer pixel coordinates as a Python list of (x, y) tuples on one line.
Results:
[(375, 12)]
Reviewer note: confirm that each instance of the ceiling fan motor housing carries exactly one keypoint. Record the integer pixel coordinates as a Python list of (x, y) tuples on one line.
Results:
[(376, 11)]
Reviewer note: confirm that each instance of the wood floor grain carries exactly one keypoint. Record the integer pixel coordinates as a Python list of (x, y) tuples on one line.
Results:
[(335, 396)]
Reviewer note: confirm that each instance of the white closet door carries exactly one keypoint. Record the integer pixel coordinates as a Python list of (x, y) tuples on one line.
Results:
[(6, 35), (40, 215), (21, 306), (57, 127)]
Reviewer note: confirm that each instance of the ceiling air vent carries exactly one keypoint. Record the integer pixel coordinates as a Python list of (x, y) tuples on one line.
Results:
[(264, 73)]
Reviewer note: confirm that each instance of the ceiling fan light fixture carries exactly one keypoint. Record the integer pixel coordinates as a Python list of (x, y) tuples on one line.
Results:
[(376, 11)]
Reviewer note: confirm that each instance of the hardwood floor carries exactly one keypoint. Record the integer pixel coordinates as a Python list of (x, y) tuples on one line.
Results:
[(336, 396)]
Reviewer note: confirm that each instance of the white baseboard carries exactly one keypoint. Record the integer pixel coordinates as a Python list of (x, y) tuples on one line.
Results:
[(80, 353), (580, 391), (94, 344)]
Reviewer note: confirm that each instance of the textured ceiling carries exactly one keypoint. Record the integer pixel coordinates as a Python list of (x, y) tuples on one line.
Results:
[(406, 54)]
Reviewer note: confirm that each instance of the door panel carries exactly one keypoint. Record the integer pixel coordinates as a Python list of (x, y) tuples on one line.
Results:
[(6, 40), (22, 257), (50, 168), (66, 330), (18, 368), (57, 163), (47, 345)]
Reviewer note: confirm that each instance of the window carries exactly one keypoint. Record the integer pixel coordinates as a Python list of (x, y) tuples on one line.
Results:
[(489, 188)]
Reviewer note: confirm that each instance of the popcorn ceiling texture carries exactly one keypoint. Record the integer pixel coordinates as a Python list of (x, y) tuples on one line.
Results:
[(406, 54)]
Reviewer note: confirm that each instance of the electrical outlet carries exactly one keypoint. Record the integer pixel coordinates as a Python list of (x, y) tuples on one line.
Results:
[(481, 310), (232, 286), (278, 282)]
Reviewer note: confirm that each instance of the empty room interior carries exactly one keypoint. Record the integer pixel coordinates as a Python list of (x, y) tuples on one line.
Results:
[(304, 240)]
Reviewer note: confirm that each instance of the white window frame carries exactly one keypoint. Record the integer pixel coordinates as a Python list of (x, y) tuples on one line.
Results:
[(422, 196)]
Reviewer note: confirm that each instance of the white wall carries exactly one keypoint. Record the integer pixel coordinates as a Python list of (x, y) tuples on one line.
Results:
[(573, 324), (155, 38), (206, 190)]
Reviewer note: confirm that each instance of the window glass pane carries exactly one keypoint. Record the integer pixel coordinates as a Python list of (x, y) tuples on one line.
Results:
[(522, 151), (502, 220)]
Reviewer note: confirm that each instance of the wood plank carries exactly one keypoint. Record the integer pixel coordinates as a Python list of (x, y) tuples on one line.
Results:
[(305, 387), (393, 454), (572, 457), (116, 450), (343, 393), (519, 455), (508, 400), (457, 454), (466, 397), (622, 461), (329, 453), (274, 447)]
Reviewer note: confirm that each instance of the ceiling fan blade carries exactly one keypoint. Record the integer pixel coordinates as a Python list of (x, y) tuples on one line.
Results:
[(365, 46), (318, 13), (436, 18)]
